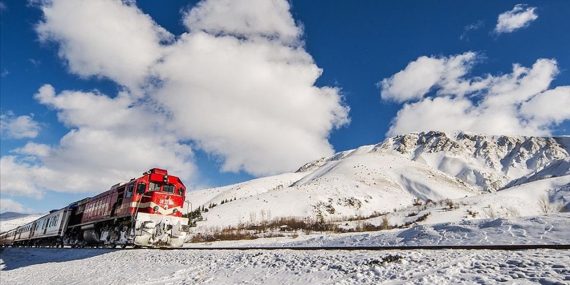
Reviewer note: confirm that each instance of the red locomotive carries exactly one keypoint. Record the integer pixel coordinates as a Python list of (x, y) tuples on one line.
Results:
[(146, 211)]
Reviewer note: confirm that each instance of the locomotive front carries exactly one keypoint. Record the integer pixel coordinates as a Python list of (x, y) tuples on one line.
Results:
[(157, 210), (146, 211)]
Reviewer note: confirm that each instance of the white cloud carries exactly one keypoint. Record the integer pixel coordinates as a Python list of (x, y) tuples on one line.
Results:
[(110, 140), (519, 17), (414, 81), (518, 103), (551, 105), (254, 103), (425, 73), (33, 149), (18, 127), (106, 38), (18, 177), (9, 205), (239, 85), (244, 18)]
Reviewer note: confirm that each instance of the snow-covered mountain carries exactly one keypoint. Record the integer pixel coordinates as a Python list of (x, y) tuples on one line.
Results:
[(397, 173), (11, 220), (486, 162)]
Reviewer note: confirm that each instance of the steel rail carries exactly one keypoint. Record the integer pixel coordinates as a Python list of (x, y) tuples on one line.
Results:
[(345, 248), (386, 248)]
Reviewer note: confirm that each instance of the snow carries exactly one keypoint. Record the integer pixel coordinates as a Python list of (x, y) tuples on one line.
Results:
[(552, 229), (359, 184), (242, 190), (9, 223), (206, 266), (490, 176), (89, 266), (545, 229)]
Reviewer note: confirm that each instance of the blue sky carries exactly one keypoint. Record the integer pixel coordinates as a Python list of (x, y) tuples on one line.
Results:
[(434, 61)]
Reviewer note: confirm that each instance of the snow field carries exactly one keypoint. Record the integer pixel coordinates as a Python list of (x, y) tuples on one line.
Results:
[(549, 229), (89, 266)]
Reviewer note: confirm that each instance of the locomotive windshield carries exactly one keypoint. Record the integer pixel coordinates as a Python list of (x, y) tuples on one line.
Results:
[(154, 187), (169, 188)]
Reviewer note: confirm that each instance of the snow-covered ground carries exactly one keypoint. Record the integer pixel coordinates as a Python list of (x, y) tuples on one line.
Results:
[(92, 266), (102, 266), (550, 229), (530, 230)]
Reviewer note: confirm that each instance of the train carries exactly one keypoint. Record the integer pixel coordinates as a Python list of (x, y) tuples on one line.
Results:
[(145, 212)]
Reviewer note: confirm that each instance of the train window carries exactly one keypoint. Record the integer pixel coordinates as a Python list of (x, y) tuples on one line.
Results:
[(181, 191), (141, 188), (154, 187), (129, 192), (169, 188)]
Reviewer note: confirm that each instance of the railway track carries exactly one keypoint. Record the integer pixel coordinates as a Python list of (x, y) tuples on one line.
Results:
[(353, 248), (387, 248)]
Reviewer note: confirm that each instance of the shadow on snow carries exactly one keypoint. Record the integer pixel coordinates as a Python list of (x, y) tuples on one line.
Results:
[(14, 258)]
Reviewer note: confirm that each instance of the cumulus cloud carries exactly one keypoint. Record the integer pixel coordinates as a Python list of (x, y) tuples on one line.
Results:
[(244, 18), (33, 149), (517, 103), (110, 140), (103, 38), (425, 73), (519, 17), (239, 83), (236, 85), (253, 103), (551, 106), (18, 176), (18, 127)]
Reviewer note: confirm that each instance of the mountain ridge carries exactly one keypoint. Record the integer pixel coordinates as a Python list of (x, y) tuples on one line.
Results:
[(392, 175)]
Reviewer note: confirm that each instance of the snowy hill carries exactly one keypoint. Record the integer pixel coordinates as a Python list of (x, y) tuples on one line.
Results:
[(11, 215), (11, 220), (514, 173)]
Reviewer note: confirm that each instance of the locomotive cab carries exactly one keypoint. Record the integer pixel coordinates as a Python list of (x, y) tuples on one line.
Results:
[(159, 193), (157, 207)]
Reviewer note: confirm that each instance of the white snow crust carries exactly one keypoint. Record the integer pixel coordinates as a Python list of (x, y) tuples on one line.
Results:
[(93, 266)]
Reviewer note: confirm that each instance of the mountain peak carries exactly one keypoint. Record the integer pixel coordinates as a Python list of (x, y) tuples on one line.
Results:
[(397, 173)]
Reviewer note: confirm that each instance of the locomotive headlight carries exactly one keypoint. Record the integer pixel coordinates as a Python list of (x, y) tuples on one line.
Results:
[(155, 208)]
